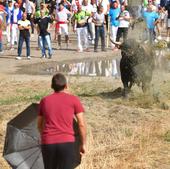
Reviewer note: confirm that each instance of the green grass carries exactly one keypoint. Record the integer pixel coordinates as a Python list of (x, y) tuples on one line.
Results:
[(27, 95), (167, 136)]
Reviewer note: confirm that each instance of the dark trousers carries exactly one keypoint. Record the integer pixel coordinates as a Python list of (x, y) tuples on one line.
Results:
[(0, 46), (99, 32), (122, 32), (107, 22), (20, 44), (58, 156), (31, 21)]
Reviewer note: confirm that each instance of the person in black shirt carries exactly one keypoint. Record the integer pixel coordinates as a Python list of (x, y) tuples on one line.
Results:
[(24, 25), (44, 35)]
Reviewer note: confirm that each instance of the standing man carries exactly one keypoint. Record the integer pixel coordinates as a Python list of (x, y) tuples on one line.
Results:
[(151, 18), (44, 35), (114, 22), (86, 6), (55, 124), (9, 9), (99, 20), (62, 24), (24, 25), (124, 21), (80, 26), (106, 8), (16, 16), (30, 10)]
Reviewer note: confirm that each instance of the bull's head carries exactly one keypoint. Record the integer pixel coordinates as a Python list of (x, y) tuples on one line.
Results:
[(128, 47)]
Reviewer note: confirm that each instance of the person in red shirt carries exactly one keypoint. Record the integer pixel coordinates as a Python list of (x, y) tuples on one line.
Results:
[(55, 123)]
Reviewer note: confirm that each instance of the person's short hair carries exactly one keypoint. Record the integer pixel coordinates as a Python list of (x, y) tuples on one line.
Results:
[(59, 82)]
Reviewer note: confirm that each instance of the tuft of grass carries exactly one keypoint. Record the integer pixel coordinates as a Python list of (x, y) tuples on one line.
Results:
[(167, 136)]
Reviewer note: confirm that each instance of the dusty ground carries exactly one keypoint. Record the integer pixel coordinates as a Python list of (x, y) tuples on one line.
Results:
[(131, 133)]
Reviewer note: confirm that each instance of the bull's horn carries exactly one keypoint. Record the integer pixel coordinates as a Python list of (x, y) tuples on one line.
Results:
[(118, 44)]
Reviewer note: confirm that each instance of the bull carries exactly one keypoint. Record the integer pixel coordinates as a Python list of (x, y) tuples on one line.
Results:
[(136, 65)]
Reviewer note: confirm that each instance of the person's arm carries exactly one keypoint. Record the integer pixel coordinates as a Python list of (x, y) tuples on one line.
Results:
[(28, 26), (20, 27), (157, 18), (68, 3), (127, 16), (40, 124), (82, 130)]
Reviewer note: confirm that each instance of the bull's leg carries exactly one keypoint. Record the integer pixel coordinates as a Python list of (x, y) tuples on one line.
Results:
[(145, 87), (130, 85), (126, 89)]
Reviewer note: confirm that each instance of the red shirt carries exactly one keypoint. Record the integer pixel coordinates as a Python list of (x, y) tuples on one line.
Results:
[(58, 110)]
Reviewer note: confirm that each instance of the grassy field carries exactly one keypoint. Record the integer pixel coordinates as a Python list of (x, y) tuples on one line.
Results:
[(131, 133)]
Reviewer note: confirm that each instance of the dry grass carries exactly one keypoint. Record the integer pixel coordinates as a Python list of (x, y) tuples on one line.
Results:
[(122, 134)]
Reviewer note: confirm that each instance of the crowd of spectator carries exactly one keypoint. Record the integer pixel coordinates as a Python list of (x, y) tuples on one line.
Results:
[(91, 20)]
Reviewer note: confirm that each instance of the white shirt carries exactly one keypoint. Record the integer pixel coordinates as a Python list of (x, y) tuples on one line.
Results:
[(62, 16), (24, 23), (88, 8), (29, 6), (100, 18), (124, 23)]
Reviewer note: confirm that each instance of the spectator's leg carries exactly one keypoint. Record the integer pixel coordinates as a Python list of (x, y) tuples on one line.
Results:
[(102, 35), (42, 45), (65, 30), (8, 33), (80, 48), (89, 30), (85, 36), (27, 41), (125, 34), (107, 24), (96, 38), (59, 40), (13, 33), (48, 42), (20, 44), (119, 34), (0, 46), (113, 35)]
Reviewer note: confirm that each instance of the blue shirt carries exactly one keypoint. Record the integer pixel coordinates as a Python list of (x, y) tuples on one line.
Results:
[(150, 18), (114, 13)]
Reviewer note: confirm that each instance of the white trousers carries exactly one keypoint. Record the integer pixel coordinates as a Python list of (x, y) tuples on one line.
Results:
[(63, 28), (82, 38), (14, 34), (8, 31), (113, 34)]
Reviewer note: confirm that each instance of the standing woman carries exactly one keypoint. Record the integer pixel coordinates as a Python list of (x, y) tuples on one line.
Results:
[(55, 124)]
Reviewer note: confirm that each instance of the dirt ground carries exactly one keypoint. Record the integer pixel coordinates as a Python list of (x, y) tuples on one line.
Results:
[(131, 133)]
